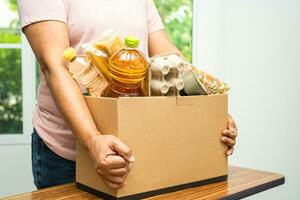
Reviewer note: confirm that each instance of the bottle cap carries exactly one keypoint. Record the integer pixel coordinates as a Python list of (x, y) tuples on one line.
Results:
[(131, 41), (69, 54)]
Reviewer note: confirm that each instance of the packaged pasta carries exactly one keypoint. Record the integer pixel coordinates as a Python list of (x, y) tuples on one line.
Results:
[(99, 51), (110, 41)]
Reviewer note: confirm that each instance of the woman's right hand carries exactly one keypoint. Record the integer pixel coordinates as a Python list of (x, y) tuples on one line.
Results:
[(113, 159)]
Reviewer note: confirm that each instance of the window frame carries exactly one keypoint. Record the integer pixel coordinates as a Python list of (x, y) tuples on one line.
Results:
[(195, 33), (28, 93)]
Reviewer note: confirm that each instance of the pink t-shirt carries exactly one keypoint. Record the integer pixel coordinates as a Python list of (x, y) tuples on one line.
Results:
[(86, 20)]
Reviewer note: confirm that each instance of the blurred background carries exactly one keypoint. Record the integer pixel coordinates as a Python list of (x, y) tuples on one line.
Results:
[(253, 45)]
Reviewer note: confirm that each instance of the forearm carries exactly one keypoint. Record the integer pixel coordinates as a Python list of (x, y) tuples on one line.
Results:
[(160, 44), (48, 47), (70, 101), (168, 48)]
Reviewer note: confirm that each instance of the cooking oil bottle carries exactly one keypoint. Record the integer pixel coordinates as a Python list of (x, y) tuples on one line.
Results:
[(128, 69), (85, 73)]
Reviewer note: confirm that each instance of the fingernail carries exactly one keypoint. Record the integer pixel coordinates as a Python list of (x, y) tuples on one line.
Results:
[(131, 159), (223, 139), (229, 153)]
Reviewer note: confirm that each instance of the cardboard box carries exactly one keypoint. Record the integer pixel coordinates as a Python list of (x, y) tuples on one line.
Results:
[(175, 141)]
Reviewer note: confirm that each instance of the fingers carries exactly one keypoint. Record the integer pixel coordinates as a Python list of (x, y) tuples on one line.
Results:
[(228, 141), (112, 165), (116, 162), (113, 160), (113, 172), (119, 180), (118, 172), (114, 185), (123, 150), (231, 124), (121, 172), (230, 151), (116, 181), (114, 169), (229, 138), (230, 134)]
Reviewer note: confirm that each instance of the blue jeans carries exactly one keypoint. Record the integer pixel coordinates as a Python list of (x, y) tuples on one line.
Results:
[(48, 168)]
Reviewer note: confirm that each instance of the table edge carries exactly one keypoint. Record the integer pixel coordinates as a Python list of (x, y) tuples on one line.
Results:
[(255, 190), (279, 180)]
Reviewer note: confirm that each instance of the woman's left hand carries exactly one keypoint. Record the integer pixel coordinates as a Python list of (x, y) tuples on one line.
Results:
[(229, 135)]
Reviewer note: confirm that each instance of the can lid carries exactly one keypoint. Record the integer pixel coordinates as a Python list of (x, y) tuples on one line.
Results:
[(69, 54), (131, 41)]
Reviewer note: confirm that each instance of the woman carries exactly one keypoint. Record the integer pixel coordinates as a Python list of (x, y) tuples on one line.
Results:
[(61, 113)]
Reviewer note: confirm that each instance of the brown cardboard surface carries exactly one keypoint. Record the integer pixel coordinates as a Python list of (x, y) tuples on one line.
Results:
[(175, 140)]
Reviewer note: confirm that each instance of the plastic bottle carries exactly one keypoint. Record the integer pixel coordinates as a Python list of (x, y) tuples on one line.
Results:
[(128, 69), (85, 73), (99, 58)]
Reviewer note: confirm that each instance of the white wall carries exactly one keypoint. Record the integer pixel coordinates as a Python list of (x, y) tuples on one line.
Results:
[(256, 50), (15, 169)]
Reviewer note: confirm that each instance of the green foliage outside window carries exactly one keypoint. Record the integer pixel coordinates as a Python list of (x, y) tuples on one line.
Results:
[(177, 16), (10, 78), (10, 91)]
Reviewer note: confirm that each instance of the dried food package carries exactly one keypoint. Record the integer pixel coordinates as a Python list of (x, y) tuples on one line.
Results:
[(198, 82)]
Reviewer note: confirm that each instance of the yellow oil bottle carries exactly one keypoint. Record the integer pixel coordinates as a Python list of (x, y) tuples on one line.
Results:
[(128, 69)]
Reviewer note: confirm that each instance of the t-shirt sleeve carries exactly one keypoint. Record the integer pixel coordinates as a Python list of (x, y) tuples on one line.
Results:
[(153, 19), (31, 11)]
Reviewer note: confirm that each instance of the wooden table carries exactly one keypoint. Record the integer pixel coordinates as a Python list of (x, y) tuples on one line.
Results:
[(241, 183)]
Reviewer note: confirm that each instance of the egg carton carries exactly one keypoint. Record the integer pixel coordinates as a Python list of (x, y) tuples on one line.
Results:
[(164, 75)]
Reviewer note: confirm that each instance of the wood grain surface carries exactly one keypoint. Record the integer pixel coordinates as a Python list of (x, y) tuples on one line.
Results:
[(241, 183)]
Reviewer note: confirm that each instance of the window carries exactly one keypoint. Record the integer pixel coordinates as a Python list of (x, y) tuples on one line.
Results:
[(10, 72), (177, 16), (17, 77)]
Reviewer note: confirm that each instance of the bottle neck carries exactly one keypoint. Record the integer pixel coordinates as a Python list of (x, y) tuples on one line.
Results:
[(131, 48)]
